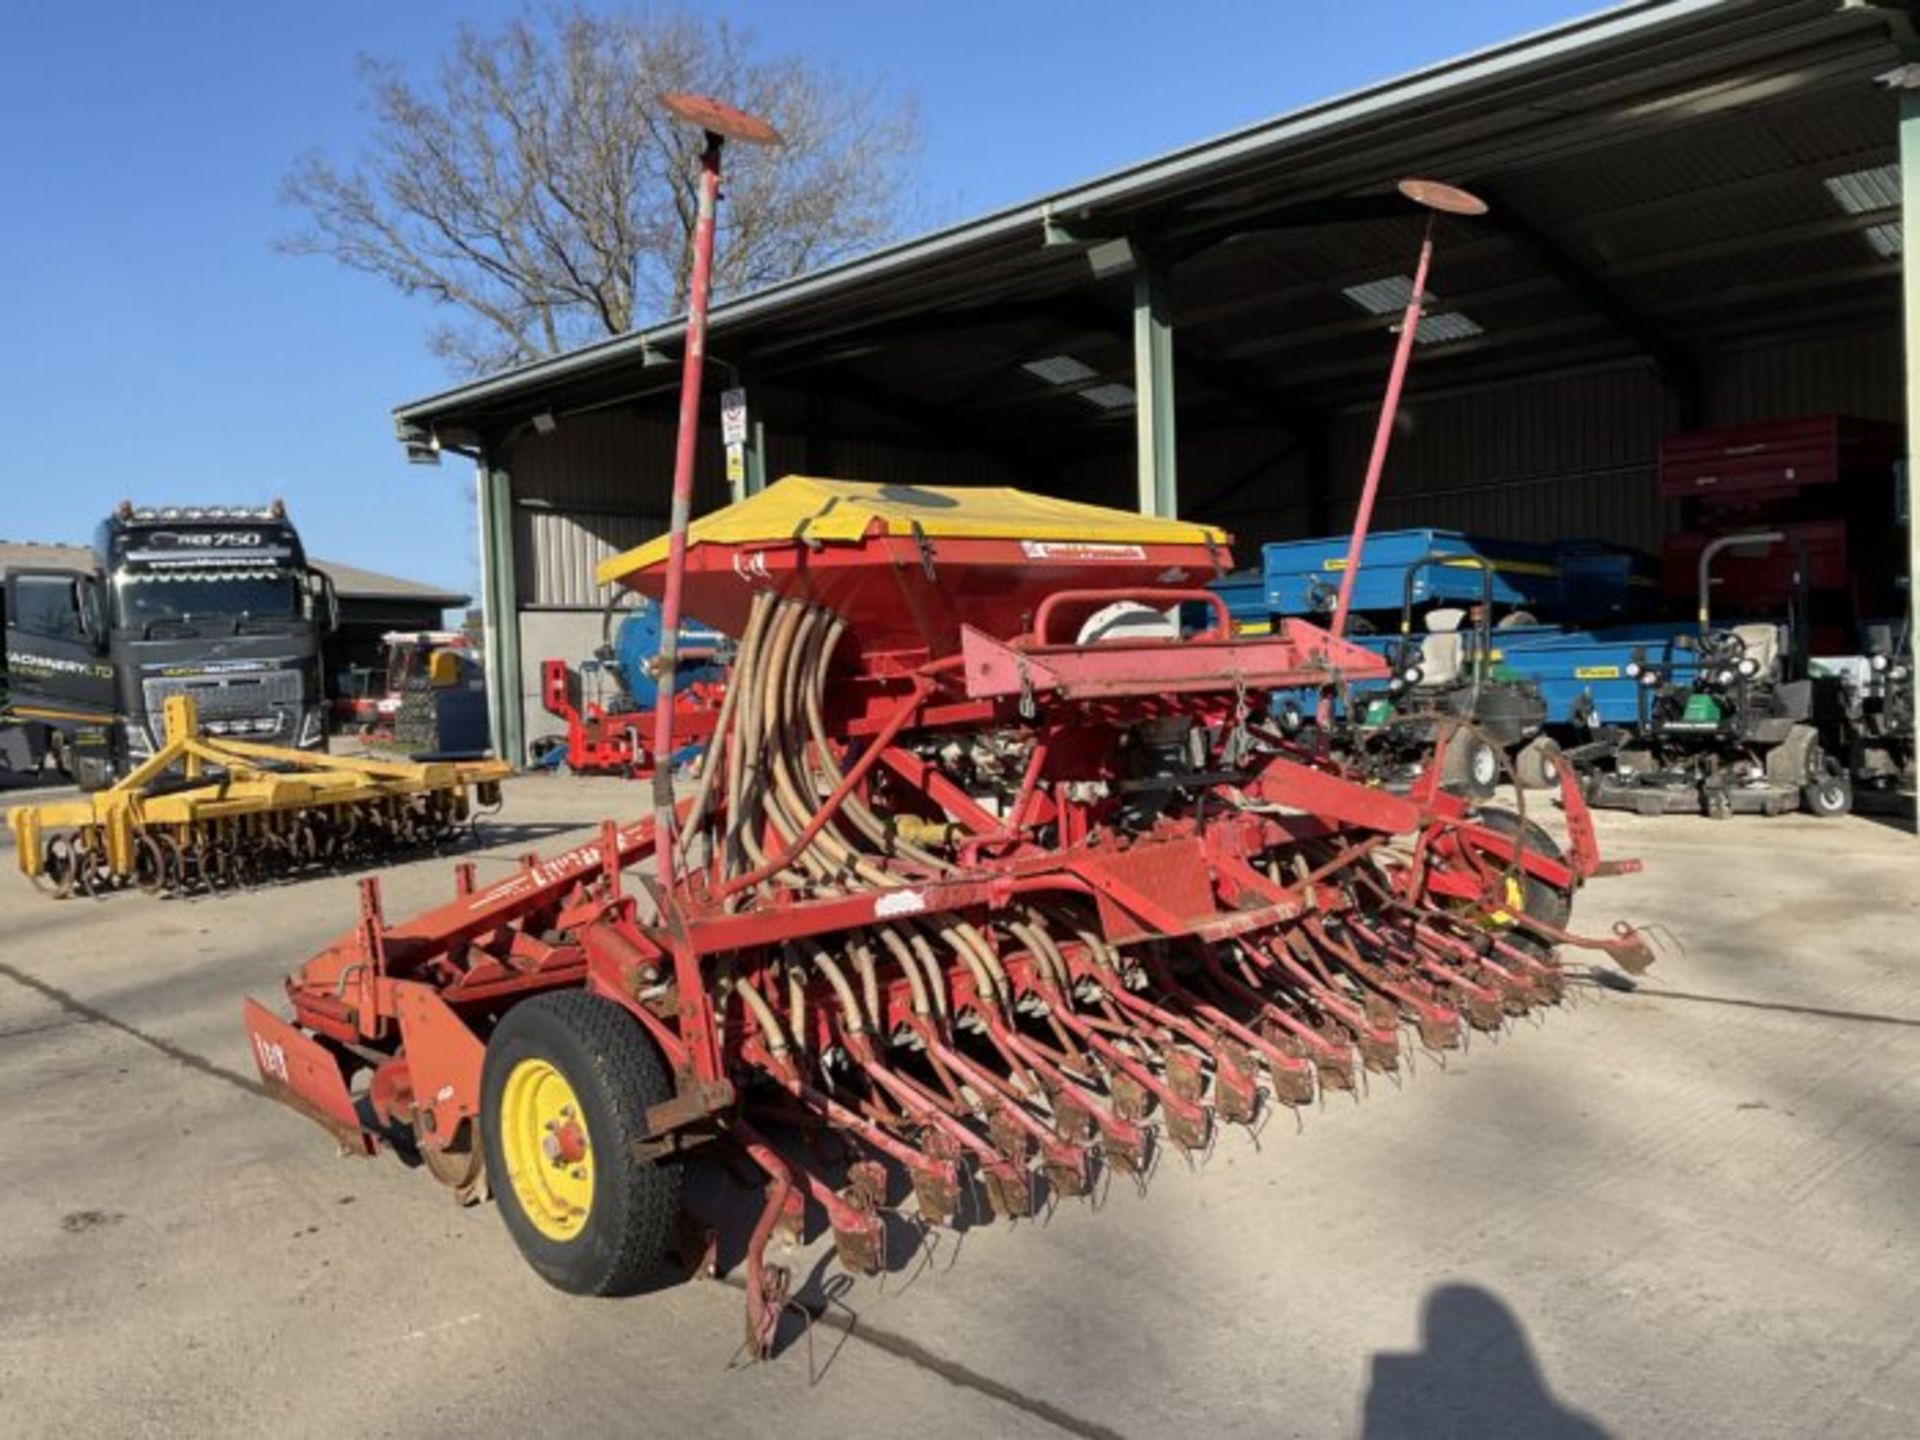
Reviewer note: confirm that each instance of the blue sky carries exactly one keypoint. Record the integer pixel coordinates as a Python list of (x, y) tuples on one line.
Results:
[(157, 347)]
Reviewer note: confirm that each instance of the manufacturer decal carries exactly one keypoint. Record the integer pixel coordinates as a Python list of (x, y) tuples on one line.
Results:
[(898, 902), (1596, 672), (215, 667), (204, 539), (1080, 550), (42, 667), (272, 1058)]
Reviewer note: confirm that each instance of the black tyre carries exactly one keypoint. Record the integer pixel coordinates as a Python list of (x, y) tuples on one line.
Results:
[(1470, 765), (1537, 766), (1537, 898), (1829, 797), (564, 1092)]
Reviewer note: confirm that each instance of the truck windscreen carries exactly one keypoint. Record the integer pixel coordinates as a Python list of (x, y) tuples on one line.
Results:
[(143, 598)]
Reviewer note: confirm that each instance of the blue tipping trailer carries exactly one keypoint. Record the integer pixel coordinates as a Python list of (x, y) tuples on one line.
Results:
[(1581, 672), (1583, 675), (1576, 580)]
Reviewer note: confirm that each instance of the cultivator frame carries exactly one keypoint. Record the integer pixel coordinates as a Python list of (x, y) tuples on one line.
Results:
[(206, 812)]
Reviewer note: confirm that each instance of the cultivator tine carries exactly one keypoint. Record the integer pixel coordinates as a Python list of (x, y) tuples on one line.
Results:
[(769, 1287)]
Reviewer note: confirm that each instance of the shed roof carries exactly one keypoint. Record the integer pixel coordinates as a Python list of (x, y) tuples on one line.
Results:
[(1664, 174)]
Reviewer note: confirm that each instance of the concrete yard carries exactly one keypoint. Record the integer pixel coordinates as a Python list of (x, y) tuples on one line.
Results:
[(1691, 1209)]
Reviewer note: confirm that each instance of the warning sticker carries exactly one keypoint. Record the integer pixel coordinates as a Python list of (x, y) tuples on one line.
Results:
[(1080, 550), (1596, 672), (898, 902)]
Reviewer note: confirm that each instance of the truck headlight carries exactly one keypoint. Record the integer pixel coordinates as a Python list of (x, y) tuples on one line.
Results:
[(1633, 669), (1879, 662)]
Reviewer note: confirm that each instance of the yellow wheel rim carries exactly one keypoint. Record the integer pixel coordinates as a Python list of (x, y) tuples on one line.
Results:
[(543, 1138), (1516, 905)]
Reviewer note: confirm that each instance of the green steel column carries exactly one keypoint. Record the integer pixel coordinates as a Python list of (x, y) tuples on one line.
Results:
[(1153, 388), (503, 616), (482, 508), (1910, 294), (756, 455)]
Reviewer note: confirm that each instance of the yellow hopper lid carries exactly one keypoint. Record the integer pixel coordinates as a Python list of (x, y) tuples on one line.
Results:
[(800, 507)]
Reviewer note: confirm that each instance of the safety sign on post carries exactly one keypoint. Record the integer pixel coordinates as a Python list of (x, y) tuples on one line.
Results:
[(733, 417), (733, 432)]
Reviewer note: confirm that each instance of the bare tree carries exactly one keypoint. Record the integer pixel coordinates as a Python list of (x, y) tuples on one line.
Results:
[(538, 189)]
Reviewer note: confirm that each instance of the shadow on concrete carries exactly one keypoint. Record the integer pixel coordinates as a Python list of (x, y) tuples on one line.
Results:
[(1475, 1376)]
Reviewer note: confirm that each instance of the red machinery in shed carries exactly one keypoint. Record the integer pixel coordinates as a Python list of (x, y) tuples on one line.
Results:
[(1826, 484)]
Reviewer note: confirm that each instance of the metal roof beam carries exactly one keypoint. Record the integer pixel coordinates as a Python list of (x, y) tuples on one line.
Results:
[(1677, 369)]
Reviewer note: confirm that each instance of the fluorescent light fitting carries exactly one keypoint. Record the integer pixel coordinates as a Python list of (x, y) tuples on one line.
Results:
[(1381, 297), (1438, 329), (1857, 191), (1888, 241), (1059, 370), (1109, 397)]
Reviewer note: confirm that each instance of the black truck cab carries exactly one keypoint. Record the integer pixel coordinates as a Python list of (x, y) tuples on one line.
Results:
[(215, 602)]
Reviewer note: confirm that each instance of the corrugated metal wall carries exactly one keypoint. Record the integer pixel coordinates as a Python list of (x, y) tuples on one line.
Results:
[(600, 484), (1569, 455), (1564, 456), (1857, 373)]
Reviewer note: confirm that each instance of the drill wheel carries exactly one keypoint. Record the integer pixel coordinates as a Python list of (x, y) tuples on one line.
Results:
[(564, 1092)]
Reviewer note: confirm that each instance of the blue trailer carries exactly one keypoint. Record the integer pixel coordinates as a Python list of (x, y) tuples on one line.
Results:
[(1592, 677), (1573, 580)]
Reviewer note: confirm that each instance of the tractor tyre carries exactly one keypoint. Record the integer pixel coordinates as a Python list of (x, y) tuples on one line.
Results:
[(1537, 766), (1537, 898), (1470, 766), (564, 1092)]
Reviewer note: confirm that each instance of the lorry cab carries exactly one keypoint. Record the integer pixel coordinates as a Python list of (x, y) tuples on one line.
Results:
[(213, 602)]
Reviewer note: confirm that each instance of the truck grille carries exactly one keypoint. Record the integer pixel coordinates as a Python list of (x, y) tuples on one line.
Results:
[(255, 695)]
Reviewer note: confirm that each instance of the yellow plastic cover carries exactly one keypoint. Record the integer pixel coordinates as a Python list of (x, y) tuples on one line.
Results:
[(801, 507)]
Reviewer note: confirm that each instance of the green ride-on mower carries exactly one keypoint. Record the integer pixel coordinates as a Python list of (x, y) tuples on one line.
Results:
[(1732, 720), (1449, 678)]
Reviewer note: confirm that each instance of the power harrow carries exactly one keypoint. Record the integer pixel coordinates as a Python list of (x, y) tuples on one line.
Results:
[(983, 891), (207, 813)]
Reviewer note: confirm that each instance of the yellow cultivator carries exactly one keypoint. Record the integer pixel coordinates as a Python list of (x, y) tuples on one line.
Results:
[(207, 813)]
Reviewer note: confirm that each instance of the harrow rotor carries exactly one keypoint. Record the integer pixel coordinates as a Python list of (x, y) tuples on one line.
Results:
[(982, 897), (205, 815)]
